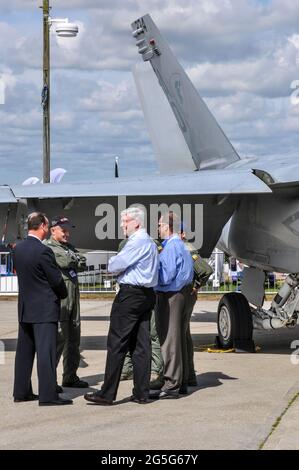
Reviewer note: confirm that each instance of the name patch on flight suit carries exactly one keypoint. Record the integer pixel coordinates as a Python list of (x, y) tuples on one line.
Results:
[(73, 274)]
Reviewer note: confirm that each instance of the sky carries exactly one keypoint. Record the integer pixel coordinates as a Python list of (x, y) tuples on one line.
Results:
[(242, 56)]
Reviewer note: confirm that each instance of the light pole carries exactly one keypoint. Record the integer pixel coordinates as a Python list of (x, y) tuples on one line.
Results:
[(63, 29), (46, 93)]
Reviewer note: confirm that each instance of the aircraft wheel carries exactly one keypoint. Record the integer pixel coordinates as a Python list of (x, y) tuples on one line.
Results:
[(234, 319)]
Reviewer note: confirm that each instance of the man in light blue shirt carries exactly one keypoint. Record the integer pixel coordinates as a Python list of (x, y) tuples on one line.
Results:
[(137, 263), (137, 268), (174, 287)]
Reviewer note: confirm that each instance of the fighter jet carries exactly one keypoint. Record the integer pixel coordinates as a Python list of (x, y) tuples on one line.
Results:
[(263, 229), (248, 208)]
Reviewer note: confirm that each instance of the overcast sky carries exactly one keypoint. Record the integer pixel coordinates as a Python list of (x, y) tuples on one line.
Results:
[(242, 55)]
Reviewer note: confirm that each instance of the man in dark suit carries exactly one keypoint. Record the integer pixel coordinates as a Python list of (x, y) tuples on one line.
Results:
[(40, 289)]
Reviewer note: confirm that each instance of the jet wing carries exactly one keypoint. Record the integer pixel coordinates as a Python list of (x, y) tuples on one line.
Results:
[(6, 195), (209, 182), (278, 175), (87, 204), (8, 209)]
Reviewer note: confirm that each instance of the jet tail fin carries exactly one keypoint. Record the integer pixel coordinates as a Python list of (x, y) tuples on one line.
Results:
[(208, 145), (172, 153)]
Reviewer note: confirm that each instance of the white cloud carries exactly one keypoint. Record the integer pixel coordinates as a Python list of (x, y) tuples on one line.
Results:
[(270, 75)]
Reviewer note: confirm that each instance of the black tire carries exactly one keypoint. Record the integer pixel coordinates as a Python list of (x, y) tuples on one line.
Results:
[(234, 320)]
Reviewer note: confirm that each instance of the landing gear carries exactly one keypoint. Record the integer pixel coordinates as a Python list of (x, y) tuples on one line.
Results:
[(236, 318), (235, 323)]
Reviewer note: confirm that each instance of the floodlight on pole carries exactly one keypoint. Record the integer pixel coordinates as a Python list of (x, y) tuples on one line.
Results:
[(63, 29)]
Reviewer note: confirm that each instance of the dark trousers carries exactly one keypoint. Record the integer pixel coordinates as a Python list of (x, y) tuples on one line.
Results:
[(172, 324), (129, 331), (157, 360), (39, 338)]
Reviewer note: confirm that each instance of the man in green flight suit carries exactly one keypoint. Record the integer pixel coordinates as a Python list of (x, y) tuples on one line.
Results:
[(70, 263)]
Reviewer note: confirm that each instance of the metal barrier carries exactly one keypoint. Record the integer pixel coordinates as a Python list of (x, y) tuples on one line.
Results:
[(101, 281), (224, 279), (235, 286), (8, 285), (89, 282), (93, 282)]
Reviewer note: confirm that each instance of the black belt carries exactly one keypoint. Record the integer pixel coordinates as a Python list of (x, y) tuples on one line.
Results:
[(131, 286)]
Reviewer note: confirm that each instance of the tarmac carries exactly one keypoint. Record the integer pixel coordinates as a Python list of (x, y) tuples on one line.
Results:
[(242, 401)]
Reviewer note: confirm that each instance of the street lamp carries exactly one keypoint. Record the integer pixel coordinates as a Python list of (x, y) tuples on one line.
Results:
[(63, 29)]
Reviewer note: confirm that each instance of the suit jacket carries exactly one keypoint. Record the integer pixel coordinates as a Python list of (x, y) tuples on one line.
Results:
[(40, 282)]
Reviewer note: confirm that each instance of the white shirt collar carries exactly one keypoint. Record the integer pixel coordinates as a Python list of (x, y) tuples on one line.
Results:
[(139, 233)]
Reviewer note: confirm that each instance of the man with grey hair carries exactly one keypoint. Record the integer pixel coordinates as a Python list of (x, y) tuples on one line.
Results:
[(137, 268)]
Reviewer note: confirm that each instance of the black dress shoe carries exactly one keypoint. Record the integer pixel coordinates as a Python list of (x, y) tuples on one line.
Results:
[(31, 397), (59, 401), (183, 390), (97, 399), (141, 401), (59, 389), (76, 384)]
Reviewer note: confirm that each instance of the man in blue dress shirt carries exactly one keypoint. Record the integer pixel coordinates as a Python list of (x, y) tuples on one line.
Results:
[(137, 268), (174, 287)]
